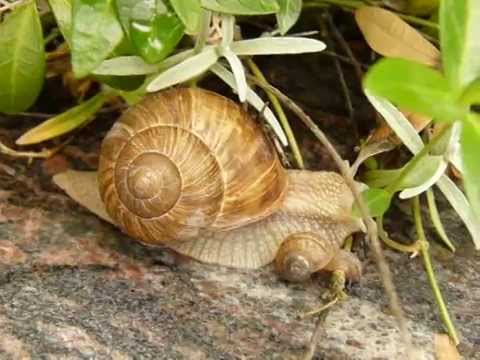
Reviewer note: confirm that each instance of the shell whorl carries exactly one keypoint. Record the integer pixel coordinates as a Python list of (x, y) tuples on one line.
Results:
[(185, 160)]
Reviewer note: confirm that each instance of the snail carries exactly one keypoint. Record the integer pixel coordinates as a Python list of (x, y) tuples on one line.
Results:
[(189, 169)]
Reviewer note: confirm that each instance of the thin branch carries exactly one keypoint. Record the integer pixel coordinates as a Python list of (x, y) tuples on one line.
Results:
[(384, 269)]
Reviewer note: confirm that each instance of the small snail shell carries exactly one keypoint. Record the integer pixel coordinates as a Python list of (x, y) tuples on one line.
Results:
[(302, 254), (186, 160)]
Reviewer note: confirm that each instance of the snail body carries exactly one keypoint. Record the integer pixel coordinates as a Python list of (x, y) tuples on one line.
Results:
[(190, 170)]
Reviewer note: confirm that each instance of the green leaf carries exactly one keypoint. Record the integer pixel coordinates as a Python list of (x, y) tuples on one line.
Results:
[(185, 70), (422, 176), (381, 178), (62, 10), (288, 15), (124, 83), (460, 41), (242, 7), (377, 200), (415, 87), (127, 10), (470, 147), (22, 59), (277, 45), (96, 32), (154, 40), (190, 12), (65, 122)]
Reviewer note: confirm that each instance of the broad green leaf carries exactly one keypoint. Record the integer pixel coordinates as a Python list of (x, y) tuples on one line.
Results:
[(377, 200), (65, 122), (62, 10), (471, 95), (96, 32), (242, 7), (136, 10), (460, 41), (405, 131), (185, 70), (423, 176), (415, 87), (273, 45), (190, 12), (381, 178), (254, 100), (470, 149), (155, 39), (22, 59), (288, 15)]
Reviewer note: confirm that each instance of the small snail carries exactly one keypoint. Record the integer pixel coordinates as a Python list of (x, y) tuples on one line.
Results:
[(189, 169)]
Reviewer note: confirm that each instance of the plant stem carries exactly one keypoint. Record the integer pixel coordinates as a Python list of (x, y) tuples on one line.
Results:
[(280, 113), (382, 264), (414, 248), (430, 273)]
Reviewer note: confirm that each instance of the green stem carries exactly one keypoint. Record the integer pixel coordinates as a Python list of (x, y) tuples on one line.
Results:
[(280, 113), (413, 248), (393, 186), (430, 273)]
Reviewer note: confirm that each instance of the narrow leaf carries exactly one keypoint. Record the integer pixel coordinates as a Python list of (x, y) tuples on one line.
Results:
[(273, 45), (254, 100), (238, 73), (437, 221), (242, 7), (184, 71), (412, 140), (415, 87), (135, 65), (381, 178), (423, 176), (470, 147), (459, 29), (96, 32), (189, 11), (62, 10), (65, 122), (389, 35), (22, 59), (125, 65), (288, 15)]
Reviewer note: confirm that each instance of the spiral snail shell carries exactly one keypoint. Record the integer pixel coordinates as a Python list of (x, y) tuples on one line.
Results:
[(191, 170)]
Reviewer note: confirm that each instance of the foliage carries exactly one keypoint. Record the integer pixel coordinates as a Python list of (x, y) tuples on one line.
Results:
[(446, 96), (119, 42)]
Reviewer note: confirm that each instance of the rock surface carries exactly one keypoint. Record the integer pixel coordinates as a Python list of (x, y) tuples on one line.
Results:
[(72, 286)]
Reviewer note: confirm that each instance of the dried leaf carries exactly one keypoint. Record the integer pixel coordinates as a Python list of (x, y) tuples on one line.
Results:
[(387, 34), (445, 349)]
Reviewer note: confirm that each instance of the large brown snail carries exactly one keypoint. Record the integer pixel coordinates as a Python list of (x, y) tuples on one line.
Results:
[(191, 170)]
